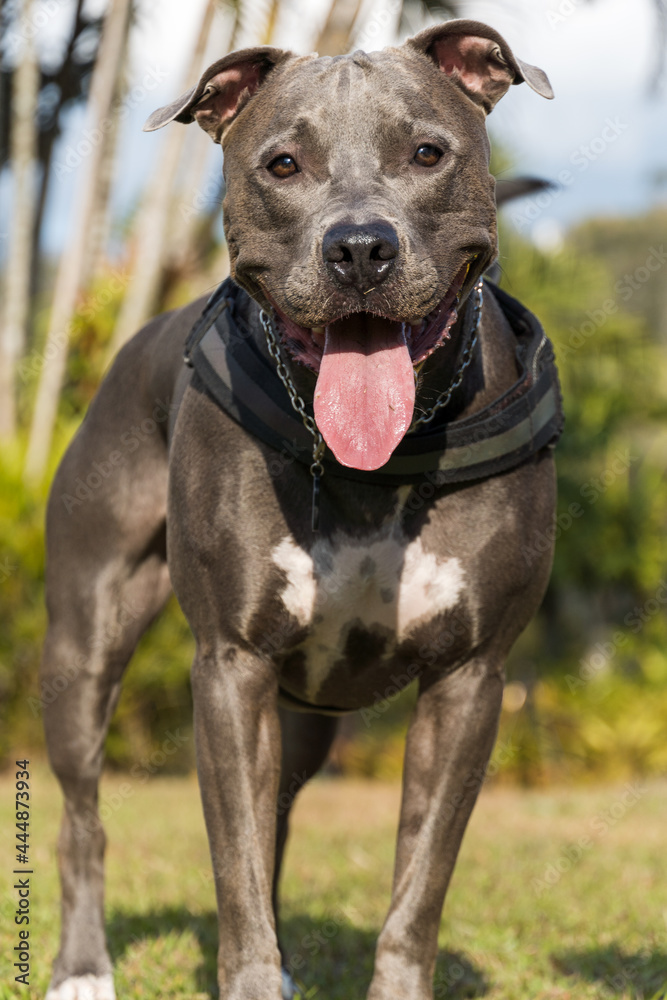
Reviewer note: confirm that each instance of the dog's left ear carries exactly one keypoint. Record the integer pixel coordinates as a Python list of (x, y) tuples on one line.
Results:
[(478, 60), (222, 92)]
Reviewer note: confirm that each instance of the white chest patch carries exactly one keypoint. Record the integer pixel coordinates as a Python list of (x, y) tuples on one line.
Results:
[(384, 583)]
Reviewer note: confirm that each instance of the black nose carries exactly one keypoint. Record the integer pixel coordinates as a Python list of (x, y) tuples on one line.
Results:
[(360, 255)]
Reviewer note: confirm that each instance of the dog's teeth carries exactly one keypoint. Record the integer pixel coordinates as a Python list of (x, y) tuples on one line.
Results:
[(317, 333)]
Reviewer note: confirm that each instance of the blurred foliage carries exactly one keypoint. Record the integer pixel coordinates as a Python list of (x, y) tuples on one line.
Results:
[(588, 691), (626, 244), (65, 68), (594, 662)]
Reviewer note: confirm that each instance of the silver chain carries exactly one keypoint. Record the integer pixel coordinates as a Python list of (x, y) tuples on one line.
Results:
[(299, 405), (445, 396), (297, 401)]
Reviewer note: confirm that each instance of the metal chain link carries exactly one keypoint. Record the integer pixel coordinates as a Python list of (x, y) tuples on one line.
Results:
[(299, 405), (445, 396), (297, 401)]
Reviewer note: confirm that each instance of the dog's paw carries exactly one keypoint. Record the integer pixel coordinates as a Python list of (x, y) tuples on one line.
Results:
[(289, 986), (83, 988)]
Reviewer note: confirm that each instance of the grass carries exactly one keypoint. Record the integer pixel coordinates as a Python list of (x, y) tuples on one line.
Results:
[(508, 933)]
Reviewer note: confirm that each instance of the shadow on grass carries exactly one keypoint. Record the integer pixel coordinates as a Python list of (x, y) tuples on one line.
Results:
[(644, 975), (457, 978), (329, 957)]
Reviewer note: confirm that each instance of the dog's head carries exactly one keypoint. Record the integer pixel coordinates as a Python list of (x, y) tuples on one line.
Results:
[(359, 206)]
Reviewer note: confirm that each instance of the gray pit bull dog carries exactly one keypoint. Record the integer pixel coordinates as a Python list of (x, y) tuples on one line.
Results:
[(360, 216)]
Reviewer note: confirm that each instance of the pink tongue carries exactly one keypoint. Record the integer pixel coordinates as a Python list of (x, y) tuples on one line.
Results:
[(365, 392)]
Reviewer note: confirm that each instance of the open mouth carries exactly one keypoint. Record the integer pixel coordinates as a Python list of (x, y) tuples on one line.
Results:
[(365, 392)]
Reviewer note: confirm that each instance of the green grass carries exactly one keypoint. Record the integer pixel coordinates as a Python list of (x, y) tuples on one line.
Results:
[(599, 932)]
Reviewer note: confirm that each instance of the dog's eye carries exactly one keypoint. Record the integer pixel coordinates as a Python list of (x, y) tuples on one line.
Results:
[(283, 166), (427, 156)]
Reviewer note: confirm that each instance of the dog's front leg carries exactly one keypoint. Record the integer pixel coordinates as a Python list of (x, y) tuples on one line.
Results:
[(449, 743), (238, 760)]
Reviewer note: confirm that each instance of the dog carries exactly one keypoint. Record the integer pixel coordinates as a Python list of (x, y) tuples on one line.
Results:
[(382, 544)]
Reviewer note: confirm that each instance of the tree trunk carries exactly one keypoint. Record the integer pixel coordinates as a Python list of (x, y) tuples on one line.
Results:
[(198, 192), (73, 261), (336, 35), (99, 213), (47, 141), (154, 214), (16, 311)]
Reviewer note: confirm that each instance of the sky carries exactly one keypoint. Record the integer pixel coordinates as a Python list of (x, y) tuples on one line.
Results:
[(602, 128), (603, 135)]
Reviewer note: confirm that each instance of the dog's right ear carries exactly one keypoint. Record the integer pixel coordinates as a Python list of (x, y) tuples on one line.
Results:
[(478, 60), (223, 90)]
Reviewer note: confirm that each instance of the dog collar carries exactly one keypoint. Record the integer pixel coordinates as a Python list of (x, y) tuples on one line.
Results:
[(223, 351), (298, 404)]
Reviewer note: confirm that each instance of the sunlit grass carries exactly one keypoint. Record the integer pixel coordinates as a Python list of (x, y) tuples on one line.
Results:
[(508, 933)]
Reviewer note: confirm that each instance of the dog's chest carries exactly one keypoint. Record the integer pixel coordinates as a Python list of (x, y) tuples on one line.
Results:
[(374, 591)]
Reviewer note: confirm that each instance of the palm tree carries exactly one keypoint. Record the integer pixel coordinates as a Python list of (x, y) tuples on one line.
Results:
[(73, 262), (13, 334), (153, 216)]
